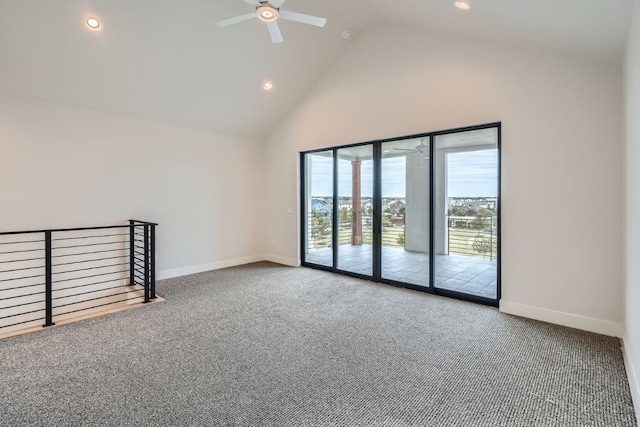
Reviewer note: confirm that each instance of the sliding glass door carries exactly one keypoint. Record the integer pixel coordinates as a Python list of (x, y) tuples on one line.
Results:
[(466, 212), (404, 176), (420, 212), (318, 183), (355, 210)]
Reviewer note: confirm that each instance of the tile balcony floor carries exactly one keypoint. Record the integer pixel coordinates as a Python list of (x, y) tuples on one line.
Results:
[(469, 275)]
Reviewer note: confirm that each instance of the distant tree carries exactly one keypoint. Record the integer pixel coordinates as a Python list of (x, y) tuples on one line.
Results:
[(483, 246), (386, 219), (367, 214), (456, 211), (346, 216), (482, 220), (320, 227)]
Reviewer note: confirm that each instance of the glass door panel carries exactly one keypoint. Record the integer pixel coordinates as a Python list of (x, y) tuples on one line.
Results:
[(355, 209), (466, 190), (319, 208), (405, 211)]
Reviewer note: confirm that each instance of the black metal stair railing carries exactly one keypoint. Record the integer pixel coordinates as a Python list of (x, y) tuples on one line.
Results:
[(47, 275)]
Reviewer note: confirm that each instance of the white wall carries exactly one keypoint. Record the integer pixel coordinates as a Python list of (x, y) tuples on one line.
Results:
[(562, 155), (67, 167), (632, 154)]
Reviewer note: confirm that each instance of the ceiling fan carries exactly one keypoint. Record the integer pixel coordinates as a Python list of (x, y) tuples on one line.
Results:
[(269, 12), (420, 148)]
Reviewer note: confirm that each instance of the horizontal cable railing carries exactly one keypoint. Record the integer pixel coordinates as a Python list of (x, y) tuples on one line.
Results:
[(465, 236), (319, 232), (49, 275), (473, 236)]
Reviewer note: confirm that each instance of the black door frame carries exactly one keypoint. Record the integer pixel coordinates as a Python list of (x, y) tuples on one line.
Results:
[(377, 215)]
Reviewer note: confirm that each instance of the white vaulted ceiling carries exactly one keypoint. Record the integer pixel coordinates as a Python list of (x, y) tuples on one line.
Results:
[(166, 60)]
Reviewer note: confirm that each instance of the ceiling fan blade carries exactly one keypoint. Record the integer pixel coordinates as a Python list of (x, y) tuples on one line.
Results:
[(275, 3), (274, 32), (301, 17), (406, 149), (236, 19), (253, 2)]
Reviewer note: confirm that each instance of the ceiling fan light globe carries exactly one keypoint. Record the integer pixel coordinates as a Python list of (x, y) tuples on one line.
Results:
[(267, 13)]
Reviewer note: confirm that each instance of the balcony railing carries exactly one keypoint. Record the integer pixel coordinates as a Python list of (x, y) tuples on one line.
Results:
[(54, 275), (472, 236), (466, 236)]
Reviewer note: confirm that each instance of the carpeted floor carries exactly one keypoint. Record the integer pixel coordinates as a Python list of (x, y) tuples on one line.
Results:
[(266, 345)]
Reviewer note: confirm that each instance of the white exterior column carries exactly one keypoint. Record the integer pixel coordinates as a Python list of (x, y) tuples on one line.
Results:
[(416, 221)]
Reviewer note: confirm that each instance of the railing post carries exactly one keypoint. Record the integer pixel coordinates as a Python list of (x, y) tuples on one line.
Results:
[(491, 241), (48, 288), (132, 261), (146, 263), (448, 251), (153, 261)]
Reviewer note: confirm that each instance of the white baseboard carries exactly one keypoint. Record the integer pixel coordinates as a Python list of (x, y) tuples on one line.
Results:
[(282, 260), (631, 376), (584, 323), (192, 269)]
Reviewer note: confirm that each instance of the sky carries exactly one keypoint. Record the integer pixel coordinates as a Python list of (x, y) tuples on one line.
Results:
[(471, 174)]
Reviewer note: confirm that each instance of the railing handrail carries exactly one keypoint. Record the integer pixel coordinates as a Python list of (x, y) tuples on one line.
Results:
[(102, 227), (143, 222)]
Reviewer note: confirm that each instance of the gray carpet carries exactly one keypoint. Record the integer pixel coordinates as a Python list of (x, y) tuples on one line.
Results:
[(269, 345)]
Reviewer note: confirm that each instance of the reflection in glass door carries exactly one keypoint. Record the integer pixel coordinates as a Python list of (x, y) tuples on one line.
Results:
[(319, 208), (405, 211), (355, 209), (465, 212)]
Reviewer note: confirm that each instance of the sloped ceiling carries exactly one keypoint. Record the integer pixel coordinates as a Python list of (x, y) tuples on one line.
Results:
[(166, 60)]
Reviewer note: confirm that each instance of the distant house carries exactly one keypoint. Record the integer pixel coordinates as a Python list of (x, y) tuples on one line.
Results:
[(318, 204), (472, 203), (321, 205), (396, 205)]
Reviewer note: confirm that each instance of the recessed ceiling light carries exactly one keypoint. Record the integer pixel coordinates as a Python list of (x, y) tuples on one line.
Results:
[(462, 4), (93, 24), (267, 85)]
